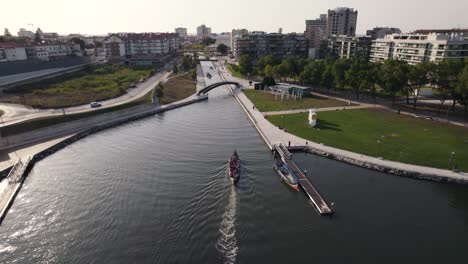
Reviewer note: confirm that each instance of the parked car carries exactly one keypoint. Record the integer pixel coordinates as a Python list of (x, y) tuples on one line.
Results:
[(133, 86), (95, 104)]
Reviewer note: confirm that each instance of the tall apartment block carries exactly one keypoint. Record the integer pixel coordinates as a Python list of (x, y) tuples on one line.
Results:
[(203, 31), (235, 33), (315, 32), (182, 32), (341, 21)]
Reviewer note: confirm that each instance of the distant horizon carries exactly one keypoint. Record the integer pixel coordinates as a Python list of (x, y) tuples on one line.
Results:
[(97, 19)]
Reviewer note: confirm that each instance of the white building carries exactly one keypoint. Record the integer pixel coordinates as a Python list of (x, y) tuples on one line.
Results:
[(12, 52), (416, 48), (223, 38), (51, 52), (203, 31), (182, 32), (141, 48), (23, 33), (236, 33)]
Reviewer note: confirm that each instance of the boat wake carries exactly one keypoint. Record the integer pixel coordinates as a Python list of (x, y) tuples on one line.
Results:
[(227, 242)]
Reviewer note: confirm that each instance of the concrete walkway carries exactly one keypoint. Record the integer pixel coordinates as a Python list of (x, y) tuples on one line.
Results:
[(274, 135), (324, 109)]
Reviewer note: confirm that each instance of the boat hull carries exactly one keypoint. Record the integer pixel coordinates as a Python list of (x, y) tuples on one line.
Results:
[(286, 176), (234, 168)]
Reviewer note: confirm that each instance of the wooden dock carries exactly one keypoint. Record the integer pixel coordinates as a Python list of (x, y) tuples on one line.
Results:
[(306, 185)]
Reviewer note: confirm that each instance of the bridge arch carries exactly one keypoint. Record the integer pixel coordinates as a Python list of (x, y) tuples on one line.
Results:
[(215, 85)]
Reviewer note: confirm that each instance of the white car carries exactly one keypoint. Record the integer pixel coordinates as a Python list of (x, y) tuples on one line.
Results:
[(95, 104)]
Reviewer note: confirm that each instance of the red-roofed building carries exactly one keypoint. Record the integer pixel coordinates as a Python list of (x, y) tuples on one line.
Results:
[(141, 48)]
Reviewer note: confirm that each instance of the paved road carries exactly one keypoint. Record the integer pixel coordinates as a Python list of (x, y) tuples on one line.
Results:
[(14, 113)]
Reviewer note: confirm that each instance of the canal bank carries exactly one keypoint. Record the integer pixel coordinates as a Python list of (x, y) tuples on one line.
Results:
[(272, 134)]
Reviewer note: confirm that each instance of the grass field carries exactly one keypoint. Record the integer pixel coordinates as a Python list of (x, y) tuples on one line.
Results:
[(93, 83), (380, 133), (265, 102), (178, 88), (55, 120)]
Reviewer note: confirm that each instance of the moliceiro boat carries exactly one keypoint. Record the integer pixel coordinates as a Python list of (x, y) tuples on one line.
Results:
[(234, 167), (286, 174)]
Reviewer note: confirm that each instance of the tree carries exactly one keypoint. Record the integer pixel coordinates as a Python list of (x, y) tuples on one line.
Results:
[(393, 77), (269, 81), (355, 75), (79, 41), (175, 69), (6, 33), (281, 70), (208, 41), (461, 90), (327, 79), (187, 63), (372, 78), (222, 48), (266, 60), (245, 64), (38, 36), (269, 71), (339, 72), (418, 77)]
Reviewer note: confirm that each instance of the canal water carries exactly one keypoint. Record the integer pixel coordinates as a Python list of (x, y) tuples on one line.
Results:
[(156, 191)]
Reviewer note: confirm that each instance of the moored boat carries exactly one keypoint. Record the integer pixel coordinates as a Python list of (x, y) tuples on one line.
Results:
[(234, 167), (286, 174)]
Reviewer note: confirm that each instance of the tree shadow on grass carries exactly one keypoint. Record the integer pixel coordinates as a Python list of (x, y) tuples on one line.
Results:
[(325, 125)]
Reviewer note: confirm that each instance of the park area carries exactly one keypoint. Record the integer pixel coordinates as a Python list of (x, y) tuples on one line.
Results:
[(177, 88), (385, 134), (266, 102), (92, 83)]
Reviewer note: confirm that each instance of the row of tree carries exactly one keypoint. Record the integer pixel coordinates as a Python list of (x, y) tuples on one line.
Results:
[(394, 77)]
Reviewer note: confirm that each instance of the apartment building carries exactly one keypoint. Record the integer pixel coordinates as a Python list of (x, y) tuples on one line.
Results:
[(182, 32), (53, 51), (23, 33), (283, 46), (315, 32), (341, 21), (380, 32), (345, 47), (12, 52), (141, 48), (235, 33), (203, 31), (417, 48)]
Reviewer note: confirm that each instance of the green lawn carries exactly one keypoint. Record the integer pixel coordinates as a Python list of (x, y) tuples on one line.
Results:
[(265, 102), (380, 133), (93, 83)]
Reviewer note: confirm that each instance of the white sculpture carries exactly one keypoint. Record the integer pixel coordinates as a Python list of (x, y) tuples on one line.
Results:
[(312, 118)]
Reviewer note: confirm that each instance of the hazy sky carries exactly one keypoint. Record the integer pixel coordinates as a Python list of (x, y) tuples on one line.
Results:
[(103, 16)]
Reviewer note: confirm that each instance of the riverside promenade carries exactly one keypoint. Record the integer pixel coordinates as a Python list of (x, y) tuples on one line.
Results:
[(273, 135)]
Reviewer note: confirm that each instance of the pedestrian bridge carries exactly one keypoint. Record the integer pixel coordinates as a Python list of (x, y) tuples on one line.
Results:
[(215, 85)]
